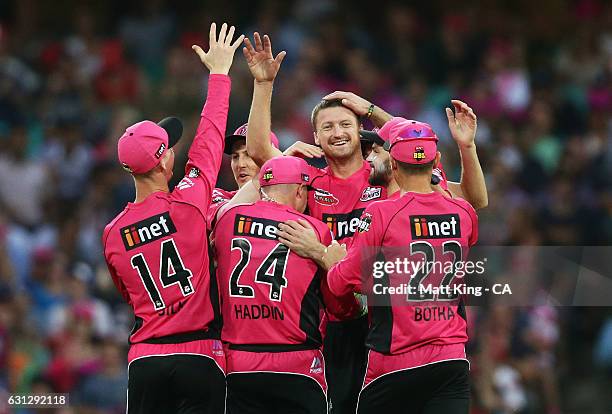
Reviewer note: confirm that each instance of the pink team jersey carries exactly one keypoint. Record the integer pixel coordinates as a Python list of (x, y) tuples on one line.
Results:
[(270, 296), (418, 227), (155, 249), (220, 197), (339, 202)]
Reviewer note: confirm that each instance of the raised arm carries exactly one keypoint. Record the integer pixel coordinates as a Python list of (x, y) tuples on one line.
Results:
[(264, 68), (206, 151), (463, 124)]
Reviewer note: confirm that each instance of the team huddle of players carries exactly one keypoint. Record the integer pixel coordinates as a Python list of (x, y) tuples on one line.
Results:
[(260, 300)]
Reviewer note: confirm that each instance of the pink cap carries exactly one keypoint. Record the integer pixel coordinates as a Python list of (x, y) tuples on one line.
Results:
[(144, 144), (409, 141), (241, 133), (284, 170)]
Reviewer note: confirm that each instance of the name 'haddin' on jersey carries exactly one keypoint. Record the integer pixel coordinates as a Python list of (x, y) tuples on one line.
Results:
[(438, 226), (255, 227), (147, 230)]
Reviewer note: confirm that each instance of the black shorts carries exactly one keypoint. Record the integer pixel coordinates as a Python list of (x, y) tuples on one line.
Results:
[(274, 393), (345, 358), (438, 388), (179, 383)]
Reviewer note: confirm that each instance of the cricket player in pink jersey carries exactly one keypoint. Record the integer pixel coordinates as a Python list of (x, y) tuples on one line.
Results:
[(416, 359), (159, 262), (343, 192), (462, 124), (271, 299), (245, 169)]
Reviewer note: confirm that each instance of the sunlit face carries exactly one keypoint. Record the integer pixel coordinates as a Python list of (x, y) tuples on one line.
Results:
[(337, 132), (243, 166), (380, 160)]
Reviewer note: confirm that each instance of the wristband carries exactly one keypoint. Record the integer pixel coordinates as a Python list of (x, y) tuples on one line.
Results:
[(370, 111)]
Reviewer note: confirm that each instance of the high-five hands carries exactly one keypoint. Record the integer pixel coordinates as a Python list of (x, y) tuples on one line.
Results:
[(262, 63), (462, 123), (221, 50)]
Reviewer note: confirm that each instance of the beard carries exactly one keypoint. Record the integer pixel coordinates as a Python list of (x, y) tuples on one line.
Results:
[(380, 174)]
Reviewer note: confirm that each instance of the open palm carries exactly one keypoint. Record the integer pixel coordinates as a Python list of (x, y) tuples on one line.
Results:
[(462, 123), (262, 64)]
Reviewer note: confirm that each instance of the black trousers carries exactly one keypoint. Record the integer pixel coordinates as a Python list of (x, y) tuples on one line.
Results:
[(274, 393), (439, 388), (345, 362), (183, 384)]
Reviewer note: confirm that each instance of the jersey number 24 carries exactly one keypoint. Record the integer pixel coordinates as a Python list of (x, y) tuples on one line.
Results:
[(271, 271)]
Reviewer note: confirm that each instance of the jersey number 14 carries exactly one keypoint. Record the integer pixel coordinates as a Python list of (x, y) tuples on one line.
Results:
[(171, 271)]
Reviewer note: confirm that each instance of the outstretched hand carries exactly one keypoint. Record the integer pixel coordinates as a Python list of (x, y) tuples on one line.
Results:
[(263, 65), (220, 55), (462, 123)]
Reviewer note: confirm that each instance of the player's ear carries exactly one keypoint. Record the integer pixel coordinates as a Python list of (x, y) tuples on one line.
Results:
[(437, 159), (316, 138), (393, 164)]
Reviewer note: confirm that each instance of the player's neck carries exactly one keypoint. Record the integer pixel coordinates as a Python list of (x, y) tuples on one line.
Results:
[(392, 187), (345, 167), (145, 188), (414, 183)]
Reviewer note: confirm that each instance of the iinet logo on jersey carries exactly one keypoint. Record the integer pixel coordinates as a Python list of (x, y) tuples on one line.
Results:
[(440, 226), (255, 227), (343, 225), (147, 230)]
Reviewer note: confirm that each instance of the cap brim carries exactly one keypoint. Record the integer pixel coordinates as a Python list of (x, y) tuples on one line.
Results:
[(229, 142), (173, 127), (370, 136)]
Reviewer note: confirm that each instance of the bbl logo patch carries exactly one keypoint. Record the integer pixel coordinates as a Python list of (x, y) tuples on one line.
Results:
[(268, 175), (419, 153), (364, 223)]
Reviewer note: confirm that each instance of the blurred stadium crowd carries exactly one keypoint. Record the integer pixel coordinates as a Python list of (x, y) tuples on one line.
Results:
[(72, 77)]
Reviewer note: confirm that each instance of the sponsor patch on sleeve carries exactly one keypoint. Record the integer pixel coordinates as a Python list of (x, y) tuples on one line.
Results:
[(364, 223), (194, 172)]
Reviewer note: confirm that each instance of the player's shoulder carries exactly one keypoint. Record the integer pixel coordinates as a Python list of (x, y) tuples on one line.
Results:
[(315, 172), (242, 208), (219, 195), (314, 222), (389, 204), (114, 223), (462, 204)]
